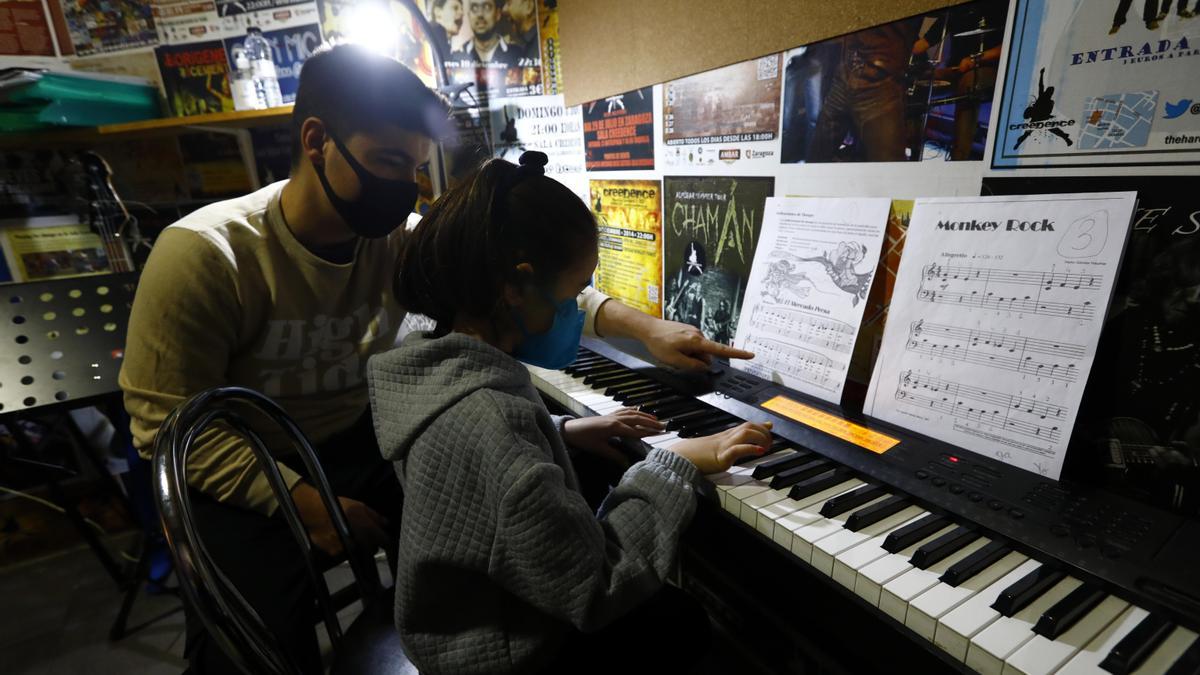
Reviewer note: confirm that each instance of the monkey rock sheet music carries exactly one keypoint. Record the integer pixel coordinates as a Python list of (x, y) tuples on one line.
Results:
[(807, 290), (995, 319)]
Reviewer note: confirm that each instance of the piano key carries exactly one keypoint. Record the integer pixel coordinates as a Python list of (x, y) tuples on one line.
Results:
[(1087, 660), (770, 469), (1128, 654), (614, 390), (975, 563), (618, 379), (914, 531), (956, 628), (696, 430), (896, 593), (826, 550), (1170, 652), (944, 546), (645, 397), (735, 477), (1188, 663), (852, 500), (925, 610), (848, 563), (804, 538), (1059, 618), (816, 465), (1042, 655), (869, 515), (819, 482), (737, 495), (598, 367), (808, 514), (1026, 590), (675, 405), (992, 645), (775, 504)]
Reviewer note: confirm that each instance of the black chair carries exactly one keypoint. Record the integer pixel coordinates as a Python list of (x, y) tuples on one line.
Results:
[(370, 644)]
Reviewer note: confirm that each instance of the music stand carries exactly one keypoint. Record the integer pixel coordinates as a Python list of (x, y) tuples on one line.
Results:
[(64, 344)]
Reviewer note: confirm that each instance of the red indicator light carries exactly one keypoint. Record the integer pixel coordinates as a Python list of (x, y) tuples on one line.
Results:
[(953, 458)]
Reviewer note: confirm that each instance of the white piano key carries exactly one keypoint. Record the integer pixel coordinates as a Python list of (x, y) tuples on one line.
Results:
[(753, 507), (956, 628), (1087, 661), (1167, 653), (925, 610), (993, 645), (807, 514), (1042, 656), (848, 562), (770, 514), (900, 591), (737, 494), (826, 549), (804, 537)]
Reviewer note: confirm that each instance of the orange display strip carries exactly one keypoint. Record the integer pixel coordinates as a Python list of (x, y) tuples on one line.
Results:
[(832, 424)]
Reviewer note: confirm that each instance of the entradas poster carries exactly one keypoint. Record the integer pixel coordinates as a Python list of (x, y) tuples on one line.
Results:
[(1100, 82), (618, 132), (629, 217), (196, 78), (1139, 423), (710, 231)]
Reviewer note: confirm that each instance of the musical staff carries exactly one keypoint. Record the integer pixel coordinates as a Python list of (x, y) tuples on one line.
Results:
[(805, 327), (996, 350), (1017, 414), (773, 358), (1047, 280), (1057, 293)]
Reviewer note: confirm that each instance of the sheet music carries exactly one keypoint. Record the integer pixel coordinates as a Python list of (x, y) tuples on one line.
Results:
[(808, 288), (995, 319)]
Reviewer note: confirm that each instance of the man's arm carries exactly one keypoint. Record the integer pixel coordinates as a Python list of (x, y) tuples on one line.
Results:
[(675, 344), (182, 334)]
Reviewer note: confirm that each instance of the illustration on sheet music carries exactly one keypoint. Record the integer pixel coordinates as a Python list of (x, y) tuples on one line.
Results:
[(995, 320), (805, 298)]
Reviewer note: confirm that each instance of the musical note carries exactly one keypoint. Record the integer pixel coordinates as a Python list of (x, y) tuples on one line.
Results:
[(996, 350), (773, 357), (804, 327), (1018, 414)]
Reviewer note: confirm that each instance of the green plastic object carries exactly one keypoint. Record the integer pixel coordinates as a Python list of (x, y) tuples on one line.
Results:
[(40, 99)]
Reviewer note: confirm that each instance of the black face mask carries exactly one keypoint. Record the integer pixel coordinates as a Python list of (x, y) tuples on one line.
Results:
[(383, 204)]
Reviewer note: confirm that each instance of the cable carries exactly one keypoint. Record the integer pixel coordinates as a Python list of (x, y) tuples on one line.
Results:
[(51, 505)]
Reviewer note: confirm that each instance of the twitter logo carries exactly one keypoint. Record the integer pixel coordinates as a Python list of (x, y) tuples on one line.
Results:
[(1174, 110)]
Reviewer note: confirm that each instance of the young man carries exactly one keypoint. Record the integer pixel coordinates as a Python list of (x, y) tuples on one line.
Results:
[(488, 45), (287, 291)]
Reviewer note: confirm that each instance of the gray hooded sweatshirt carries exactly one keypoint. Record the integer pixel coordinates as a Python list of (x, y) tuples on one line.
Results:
[(499, 553)]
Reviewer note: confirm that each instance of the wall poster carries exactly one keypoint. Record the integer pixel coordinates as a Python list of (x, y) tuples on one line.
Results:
[(1086, 85), (710, 231), (25, 29), (109, 25), (618, 131), (629, 215)]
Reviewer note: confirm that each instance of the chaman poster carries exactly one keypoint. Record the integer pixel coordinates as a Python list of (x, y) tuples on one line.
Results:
[(629, 216), (710, 230)]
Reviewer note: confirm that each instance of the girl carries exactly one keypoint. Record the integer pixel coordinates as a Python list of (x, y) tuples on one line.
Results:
[(503, 567)]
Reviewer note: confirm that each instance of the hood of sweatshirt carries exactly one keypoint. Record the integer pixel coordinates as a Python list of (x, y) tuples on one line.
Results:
[(413, 384)]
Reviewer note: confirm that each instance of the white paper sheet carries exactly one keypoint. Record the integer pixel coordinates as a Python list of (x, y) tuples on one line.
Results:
[(995, 318), (808, 288)]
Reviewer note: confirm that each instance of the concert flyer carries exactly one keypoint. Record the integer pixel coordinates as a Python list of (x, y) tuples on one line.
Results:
[(813, 268), (629, 217), (618, 131), (108, 25), (183, 21), (1139, 424), (196, 78), (547, 11), (995, 319), (349, 20), (916, 89), (544, 124), (1100, 82), (495, 49), (290, 48), (710, 230), (734, 104)]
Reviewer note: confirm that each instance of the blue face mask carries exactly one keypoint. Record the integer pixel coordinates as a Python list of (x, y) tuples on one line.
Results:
[(557, 347)]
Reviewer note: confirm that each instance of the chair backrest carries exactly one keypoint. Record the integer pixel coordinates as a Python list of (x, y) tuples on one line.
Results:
[(227, 615)]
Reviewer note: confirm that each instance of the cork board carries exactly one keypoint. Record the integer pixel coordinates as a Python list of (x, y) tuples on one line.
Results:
[(614, 46)]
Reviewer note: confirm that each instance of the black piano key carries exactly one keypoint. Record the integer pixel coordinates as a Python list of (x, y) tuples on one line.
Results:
[(1027, 589), (697, 431), (775, 447), (975, 563), (813, 467), (778, 444), (1188, 663), (645, 397), (1059, 618), (900, 539), (686, 415), (820, 482), (701, 425), (614, 390), (943, 547), (672, 406), (773, 467), (869, 515), (616, 379), (1135, 647), (836, 506), (581, 364), (598, 367)]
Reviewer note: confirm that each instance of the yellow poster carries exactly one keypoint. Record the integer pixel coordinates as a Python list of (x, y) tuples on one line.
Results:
[(56, 252), (629, 215)]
